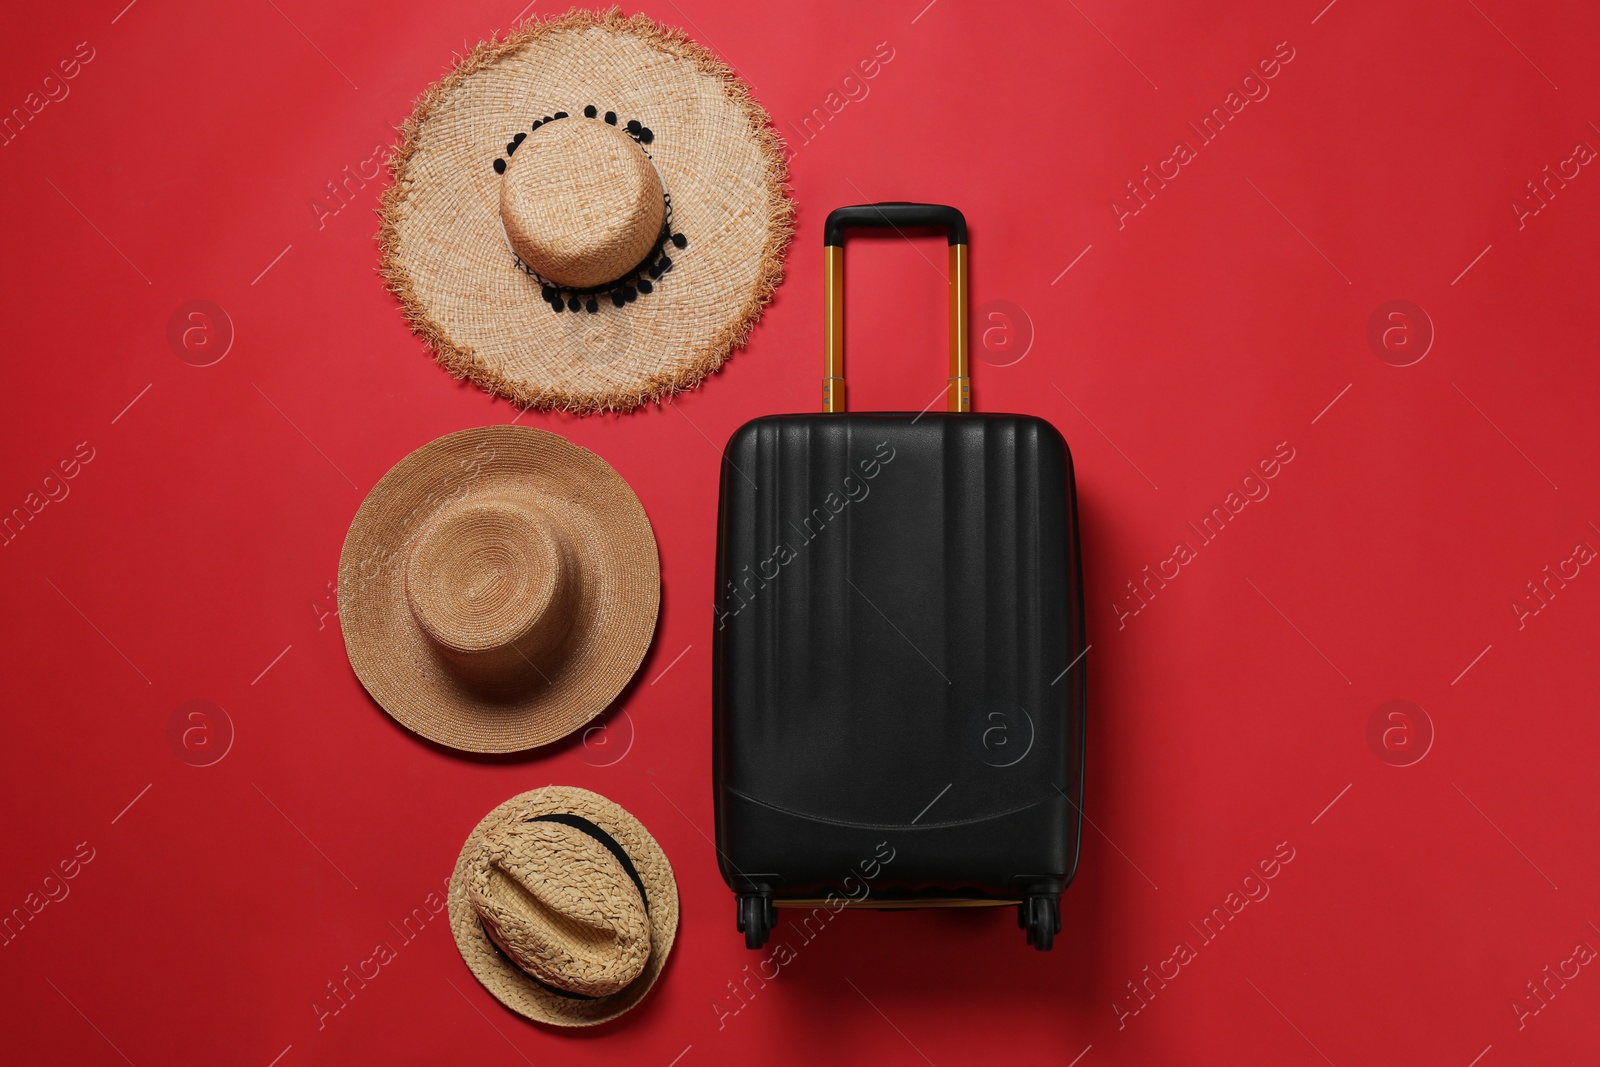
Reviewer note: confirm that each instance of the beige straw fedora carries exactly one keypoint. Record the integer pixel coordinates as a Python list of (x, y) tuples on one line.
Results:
[(564, 906), (498, 588), (587, 215)]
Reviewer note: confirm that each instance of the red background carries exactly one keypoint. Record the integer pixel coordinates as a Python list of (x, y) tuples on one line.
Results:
[(193, 555)]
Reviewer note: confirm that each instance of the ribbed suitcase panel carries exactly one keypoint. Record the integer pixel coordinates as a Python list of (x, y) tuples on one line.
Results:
[(898, 596)]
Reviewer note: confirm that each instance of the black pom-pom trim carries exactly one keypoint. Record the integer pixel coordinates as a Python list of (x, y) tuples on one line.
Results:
[(645, 286), (640, 132), (499, 166), (637, 130), (592, 306), (618, 299), (680, 240)]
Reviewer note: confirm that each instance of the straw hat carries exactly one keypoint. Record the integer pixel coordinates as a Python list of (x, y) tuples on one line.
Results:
[(564, 906), (498, 588), (586, 215)]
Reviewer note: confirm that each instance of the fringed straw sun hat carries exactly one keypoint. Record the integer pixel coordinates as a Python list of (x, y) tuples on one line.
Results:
[(498, 588), (564, 906), (587, 215)]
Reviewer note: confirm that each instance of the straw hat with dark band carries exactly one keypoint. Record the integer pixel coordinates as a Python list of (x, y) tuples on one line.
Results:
[(587, 215), (564, 906), (498, 588)]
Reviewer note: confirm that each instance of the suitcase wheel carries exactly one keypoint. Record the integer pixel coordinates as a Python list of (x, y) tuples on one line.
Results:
[(756, 919), (1040, 917)]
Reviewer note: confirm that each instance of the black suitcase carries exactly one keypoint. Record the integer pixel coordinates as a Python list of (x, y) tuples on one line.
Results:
[(898, 700)]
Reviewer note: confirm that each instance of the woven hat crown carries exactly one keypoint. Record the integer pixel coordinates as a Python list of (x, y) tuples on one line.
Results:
[(581, 202), (492, 580), (559, 904)]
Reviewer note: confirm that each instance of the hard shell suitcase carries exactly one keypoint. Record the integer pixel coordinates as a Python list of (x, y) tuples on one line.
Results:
[(898, 701)]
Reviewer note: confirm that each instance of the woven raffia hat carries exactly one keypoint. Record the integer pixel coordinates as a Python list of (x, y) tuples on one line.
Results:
[(564, 906), (587, 215), (498, 588)]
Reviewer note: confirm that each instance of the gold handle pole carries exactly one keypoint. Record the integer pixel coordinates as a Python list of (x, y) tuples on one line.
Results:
[(958, 396), (833, 389)]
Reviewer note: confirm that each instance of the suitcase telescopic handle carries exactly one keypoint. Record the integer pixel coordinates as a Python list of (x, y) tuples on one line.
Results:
[(895, 216)]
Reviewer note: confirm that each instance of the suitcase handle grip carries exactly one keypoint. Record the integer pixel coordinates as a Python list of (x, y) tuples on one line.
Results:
[(895, 216)]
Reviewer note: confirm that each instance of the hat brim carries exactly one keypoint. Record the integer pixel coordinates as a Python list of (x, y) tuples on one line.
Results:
[(505, 980), (619, 589), (445, 253)]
